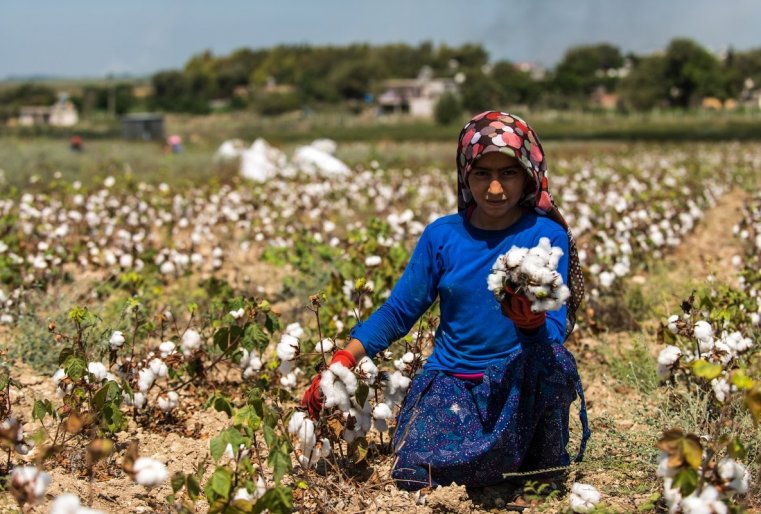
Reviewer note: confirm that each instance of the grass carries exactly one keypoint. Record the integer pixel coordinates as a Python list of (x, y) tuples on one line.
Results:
[(343, 126)]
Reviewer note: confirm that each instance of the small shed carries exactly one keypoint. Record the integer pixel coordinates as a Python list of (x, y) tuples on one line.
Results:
[(143, 126)]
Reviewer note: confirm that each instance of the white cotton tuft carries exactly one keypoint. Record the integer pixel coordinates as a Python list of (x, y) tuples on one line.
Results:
[(169, 401), (145, 379), (324, 346), (583, 497), (98, 370), (166, 348), (149, 472), (158, 367), (288, 347), (367, 370), (191, 341), (117, 339), (736, 476), (667, 359), (703, 331), (382, 411)]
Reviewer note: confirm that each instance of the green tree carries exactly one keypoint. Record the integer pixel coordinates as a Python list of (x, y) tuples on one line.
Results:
[(646, 86), (584, 68), (691, 73)]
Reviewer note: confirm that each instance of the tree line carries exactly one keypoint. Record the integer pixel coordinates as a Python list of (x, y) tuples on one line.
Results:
[(284, 78)]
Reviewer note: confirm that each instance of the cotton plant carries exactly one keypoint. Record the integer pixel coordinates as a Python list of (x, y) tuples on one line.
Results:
[(531, 272), (309, 449), (28, 484), (722, 480)]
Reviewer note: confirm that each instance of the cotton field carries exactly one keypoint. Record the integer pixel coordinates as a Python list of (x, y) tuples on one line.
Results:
[(150, 309)]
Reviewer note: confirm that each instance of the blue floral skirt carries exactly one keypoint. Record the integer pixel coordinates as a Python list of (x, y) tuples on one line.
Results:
[(514, 420)]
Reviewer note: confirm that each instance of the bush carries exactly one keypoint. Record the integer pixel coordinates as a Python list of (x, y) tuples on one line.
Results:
[(448, 109)]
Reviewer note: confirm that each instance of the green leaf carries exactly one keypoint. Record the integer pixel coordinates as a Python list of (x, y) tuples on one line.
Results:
[(279, 460), (65, 353), (221, 338), (736, 449), (178, 480), (686, 480), (358, 449), (194, 488), (753, 402), (279, 500), (361, 395), (705, 369), (258, 338), (741, 380), (75, 367), (246, 416), (221, 481), (41, 409), (271, 321), (692, 451), (217, 446), (270, 437), (222, 404)]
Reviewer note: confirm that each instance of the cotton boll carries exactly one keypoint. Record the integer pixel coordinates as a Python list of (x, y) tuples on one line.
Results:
[(703, 330), (98, 370), (515, 256), (346, 376), (191, 341), (372, 261), (325, 346), (145, 379), (139, 400), (158, 367), (288, 380), (28, 484), (295, 330), (166, 348), (495, 282), (721, 389), (735, 475), (243, 494), (667, 359), (606, 279), (367, 370), (707, 503), (382, 411), (288, 347), (672, 324), (169, 401), (297, 419), (149, 472), (117, 339), (583, 497)]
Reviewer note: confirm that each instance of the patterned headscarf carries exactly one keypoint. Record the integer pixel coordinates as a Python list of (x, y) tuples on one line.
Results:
[(494, 131)]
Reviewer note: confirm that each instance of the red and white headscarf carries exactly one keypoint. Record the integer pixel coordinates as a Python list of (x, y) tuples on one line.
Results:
[(494, 131)]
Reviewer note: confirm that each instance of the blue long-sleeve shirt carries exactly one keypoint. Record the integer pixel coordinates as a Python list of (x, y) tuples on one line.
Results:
[(452, 260)]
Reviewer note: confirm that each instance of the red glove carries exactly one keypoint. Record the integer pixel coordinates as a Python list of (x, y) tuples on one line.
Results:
[(312, 399), (518, 308)]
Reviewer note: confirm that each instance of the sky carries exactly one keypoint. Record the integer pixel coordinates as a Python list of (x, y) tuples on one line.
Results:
[(94, 38)]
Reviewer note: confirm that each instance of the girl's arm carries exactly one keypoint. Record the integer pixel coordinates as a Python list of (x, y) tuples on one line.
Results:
[(413, 294)]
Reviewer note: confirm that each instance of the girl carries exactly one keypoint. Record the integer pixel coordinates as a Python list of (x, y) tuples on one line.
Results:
[(494, 396)]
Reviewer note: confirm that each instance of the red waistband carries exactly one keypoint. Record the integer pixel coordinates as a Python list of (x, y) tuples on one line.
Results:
[(473, 377)]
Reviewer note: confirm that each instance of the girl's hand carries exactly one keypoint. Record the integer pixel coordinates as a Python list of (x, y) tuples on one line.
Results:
[(518, 308), (312, 399)]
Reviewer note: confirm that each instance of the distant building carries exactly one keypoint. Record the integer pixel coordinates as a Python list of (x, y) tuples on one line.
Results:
[(601, 98), (143, 126), (60, 114), (416, 97)]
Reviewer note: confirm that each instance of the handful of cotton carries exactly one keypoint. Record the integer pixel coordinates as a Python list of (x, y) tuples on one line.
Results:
[(533, 273)]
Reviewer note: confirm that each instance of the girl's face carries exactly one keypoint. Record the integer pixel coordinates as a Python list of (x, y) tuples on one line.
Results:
[(497, 182)]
